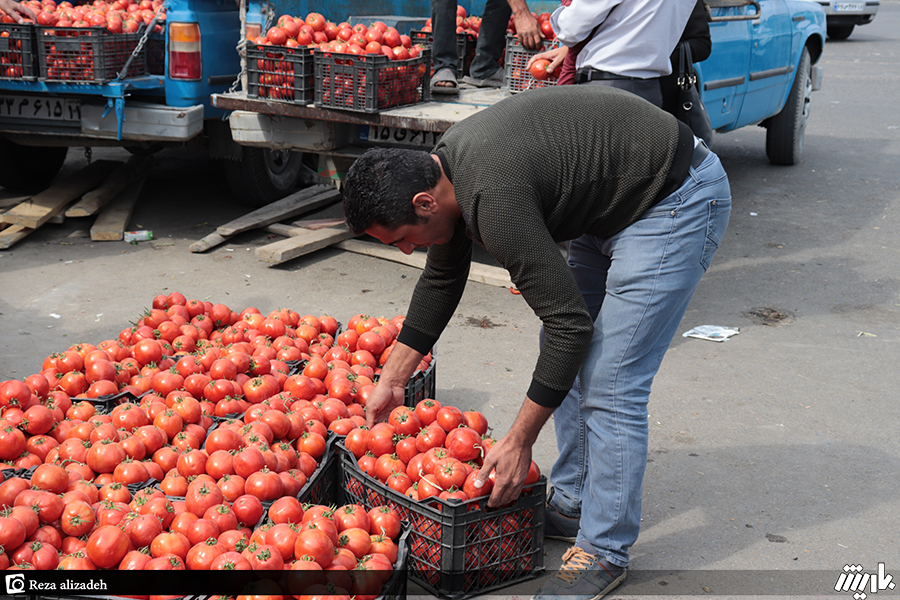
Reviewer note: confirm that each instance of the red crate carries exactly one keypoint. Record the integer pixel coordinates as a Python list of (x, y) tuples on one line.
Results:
[(457, 548), (517, 77), (17, 52), (370, 83), (280, 73), (87, 54)]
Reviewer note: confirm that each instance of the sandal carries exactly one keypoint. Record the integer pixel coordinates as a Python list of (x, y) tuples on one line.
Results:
[(445, 76), (495, 80)]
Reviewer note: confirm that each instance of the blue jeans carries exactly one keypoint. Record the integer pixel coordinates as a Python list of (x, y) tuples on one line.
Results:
[(643, 278)]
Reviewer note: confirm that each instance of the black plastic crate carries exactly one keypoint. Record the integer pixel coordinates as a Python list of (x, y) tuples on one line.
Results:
[(87, 54), (18, 59), (155, 51), (370, 83), (280, 73), (458, 548), (465, 48), (517, 76), (421, 385)]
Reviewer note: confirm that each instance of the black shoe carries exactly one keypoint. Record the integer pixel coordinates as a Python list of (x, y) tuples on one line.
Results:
[(558, 526)]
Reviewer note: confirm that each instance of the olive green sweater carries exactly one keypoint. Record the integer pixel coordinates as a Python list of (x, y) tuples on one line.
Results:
[(541, 167)]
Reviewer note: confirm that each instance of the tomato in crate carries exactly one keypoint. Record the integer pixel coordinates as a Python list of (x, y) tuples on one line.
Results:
[(280, 73)]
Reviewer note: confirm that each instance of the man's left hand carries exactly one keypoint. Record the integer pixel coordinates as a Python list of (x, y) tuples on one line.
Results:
[(527, 29), (511, 460)]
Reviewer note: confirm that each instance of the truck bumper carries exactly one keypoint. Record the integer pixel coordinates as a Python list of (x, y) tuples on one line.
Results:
[(143, 122), (286, 133)]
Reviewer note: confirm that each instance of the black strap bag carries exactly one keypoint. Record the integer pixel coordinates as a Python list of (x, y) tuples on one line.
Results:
[(690, 109)]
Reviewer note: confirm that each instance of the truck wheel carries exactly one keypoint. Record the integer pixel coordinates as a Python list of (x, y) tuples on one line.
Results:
[(840, 32), (29, 169), (784, 137), (263, 176)]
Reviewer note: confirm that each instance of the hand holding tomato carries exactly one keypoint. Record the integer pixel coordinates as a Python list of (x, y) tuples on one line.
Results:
[(556, 56), (510, 459), (383, 399)]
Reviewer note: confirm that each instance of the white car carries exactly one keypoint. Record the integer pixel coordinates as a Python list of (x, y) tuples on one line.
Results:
[(843, 15)]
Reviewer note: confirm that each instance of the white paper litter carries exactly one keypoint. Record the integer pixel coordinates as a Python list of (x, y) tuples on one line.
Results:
[(55, 316), (713, 333)]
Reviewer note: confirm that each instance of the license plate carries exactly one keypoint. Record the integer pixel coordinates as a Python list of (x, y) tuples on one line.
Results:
[(38, 107), (397, 136), (848, 6)]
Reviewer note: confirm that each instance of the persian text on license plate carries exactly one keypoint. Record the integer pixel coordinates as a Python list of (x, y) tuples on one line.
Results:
[(398, 136), (38, 107), (848, 6)]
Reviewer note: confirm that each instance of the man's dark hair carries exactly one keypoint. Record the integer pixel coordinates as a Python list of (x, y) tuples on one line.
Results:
[(381, 184)]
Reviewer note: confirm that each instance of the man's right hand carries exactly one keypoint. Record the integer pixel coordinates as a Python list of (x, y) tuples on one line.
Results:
[(381, 402)]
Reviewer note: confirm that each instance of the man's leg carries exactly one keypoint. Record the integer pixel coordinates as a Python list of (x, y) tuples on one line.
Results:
[(444, 54), (656, 265), (491, 39), (589, 267)]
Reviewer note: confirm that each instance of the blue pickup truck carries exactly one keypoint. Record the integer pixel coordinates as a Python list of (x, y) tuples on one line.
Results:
[(41, 116), (762, 70)]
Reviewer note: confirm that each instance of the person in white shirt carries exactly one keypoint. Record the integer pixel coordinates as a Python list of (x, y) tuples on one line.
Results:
[(620, 43)]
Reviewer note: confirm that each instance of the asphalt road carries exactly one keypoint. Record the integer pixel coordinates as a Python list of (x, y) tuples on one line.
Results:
[(776, 450)]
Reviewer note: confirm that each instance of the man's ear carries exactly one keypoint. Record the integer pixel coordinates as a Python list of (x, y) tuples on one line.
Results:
[(424, 204)]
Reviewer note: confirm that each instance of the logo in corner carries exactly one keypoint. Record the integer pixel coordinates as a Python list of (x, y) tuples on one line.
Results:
[(15, 584), (852, 579)]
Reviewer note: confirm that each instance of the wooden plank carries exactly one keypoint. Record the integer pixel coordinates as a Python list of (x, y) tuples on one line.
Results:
[(480, 273), (315, 224), (35, 212), (12, 201), (305, 200), (13, 234), (210, 241), (285, 230), (119, 180), (112, 220), (300, 244)]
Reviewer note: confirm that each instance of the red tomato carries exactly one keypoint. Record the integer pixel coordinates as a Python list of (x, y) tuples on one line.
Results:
[(107, 546)]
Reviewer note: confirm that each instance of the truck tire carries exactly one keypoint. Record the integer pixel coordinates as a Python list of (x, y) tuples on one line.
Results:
[(263, 176), (785, 131), (29, 169), (840, 32)]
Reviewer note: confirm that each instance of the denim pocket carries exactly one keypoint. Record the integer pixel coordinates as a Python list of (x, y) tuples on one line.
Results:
[(717, 221)]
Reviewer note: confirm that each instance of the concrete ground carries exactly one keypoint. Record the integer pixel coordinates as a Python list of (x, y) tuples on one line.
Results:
[(773, 451)]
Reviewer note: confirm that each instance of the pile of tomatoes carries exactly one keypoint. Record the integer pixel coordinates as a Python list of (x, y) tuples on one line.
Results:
[(228, 414)]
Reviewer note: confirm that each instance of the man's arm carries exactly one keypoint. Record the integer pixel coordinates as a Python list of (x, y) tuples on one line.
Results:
[(575, 22), (527, 27), (511, 456)]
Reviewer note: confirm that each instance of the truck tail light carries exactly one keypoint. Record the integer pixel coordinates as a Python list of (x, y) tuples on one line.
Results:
[(185, 58), (253, 31)]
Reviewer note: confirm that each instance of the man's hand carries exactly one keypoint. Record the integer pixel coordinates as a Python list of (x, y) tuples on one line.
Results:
[(527, 29), (556, 56), (18, 12), (511, 456), (389, 392), (511, 459), (382, 401)]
